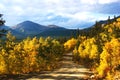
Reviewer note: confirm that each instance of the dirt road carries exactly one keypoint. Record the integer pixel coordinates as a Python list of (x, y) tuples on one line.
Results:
[(67, 71)]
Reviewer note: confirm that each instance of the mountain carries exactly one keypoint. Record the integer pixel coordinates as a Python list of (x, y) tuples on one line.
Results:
[(55, 27), (4, 27), (59, 33), (29, 28), (13, 32), (54, 31), (17, 34), (3, 30)]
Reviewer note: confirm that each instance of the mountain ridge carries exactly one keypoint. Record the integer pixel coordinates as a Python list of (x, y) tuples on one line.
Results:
[(29, 28)]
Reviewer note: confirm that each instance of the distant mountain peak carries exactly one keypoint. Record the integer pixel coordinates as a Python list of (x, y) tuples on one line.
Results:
[(28, 22), (29, 27), (53, 26)]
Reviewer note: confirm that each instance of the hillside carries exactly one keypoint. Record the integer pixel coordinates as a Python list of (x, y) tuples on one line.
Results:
[(97, 28), (55, 31), (29, 28)]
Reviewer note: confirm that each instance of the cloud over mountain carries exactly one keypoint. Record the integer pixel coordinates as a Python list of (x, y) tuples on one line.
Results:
[(77, 11)]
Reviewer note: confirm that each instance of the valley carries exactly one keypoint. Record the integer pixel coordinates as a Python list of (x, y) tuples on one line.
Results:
[(43, 51)]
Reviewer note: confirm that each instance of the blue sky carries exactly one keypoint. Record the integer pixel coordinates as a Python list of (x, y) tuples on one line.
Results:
[(66, 13)]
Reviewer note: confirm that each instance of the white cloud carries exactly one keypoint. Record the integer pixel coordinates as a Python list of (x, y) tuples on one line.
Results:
[(38, 10), (52, 1), (18, 10), (2, 6), (107, 1), (93, 2), (79, 16)]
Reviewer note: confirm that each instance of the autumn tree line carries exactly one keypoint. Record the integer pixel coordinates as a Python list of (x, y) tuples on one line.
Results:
[(29, 55), (99, 48)]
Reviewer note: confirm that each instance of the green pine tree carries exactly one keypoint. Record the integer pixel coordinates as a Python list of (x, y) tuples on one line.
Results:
[(2, 31)]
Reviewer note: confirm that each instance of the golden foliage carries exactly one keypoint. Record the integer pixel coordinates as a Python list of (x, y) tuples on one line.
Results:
[(103, 48), (88, 49), (109, 58), (29, 55), (70, 44)]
